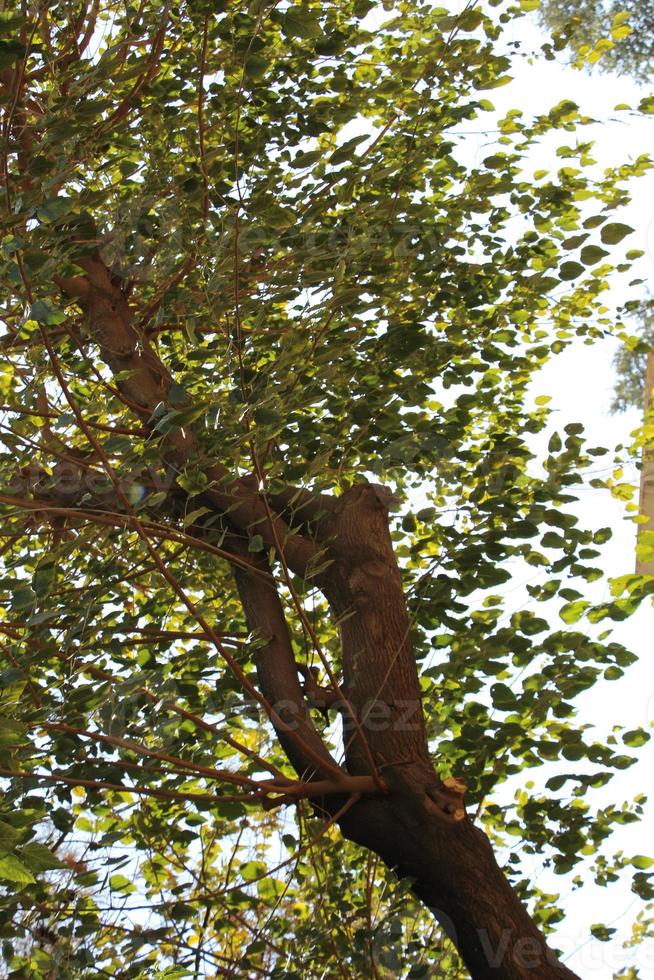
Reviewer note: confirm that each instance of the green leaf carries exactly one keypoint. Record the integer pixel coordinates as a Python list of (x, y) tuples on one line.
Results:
[(572, 612), (251, 870), (119, 883), (266, 416), (256, 66), (503, 697), (592, 254), (12, 732), (12, 685), (44, 577), (53, 209), (44, 312), (10, 21), (570, 270), (38, 858), (345, 152), (470, 19), (270, 890), (636, 738), (302, 23), (9, 836), (22, 598), (613, 233), (11, 869), (641, 862), (193, 481), (10, 52)]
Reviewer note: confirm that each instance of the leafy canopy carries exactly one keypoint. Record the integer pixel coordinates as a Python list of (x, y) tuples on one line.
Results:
[(285, 195), (617, 36)]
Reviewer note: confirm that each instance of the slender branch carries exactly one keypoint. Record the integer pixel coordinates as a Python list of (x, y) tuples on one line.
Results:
[(113, 429), (316, 754), (188, 715), (146, 76), (201, 124), (221, 775), (163, 794), (111, 519)]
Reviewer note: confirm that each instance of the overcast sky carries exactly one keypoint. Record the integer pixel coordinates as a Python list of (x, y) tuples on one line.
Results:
[(580, 383)]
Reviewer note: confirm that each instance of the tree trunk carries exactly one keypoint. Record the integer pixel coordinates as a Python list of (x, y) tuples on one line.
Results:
[(646, 502), (420, 829), (455, 874)]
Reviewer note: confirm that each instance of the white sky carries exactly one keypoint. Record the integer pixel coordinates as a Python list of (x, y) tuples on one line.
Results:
[(580, 383)]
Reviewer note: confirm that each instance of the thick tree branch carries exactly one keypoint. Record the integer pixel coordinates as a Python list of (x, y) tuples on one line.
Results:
[(277, 672), (144, 382)]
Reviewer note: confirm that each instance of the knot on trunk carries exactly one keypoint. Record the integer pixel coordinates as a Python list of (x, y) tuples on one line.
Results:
[(364, 581), (448, 798)]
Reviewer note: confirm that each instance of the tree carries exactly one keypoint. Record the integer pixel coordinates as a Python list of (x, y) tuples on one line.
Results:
[(616, 36), (634, 367), (269, 455), (630, 360)]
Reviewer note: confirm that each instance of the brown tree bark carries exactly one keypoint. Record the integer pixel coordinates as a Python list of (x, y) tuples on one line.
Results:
[(646, 499), (420, 828)]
